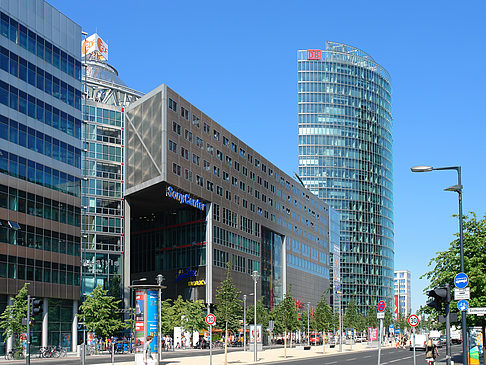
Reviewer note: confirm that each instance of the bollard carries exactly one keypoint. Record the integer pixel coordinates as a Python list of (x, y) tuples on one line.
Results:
[(112, 352)]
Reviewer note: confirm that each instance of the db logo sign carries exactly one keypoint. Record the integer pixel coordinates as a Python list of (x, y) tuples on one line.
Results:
[(313, 54)]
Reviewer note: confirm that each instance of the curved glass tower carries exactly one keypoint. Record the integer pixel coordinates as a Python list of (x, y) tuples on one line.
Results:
[(345, 157)]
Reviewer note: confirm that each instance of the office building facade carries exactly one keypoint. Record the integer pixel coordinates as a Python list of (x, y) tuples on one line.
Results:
[(403, 292), (40, 165), (345, 158), (199, 199), (102, 228)]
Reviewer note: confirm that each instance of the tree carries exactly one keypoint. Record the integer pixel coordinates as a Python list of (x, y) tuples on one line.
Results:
[(228, 308), (447, 264), (176, 312), (11, 318), (370, 319), (263, 315), (285, 317), (194, 318), (324, 318), (351, 318), (165, 318), (97, 313)]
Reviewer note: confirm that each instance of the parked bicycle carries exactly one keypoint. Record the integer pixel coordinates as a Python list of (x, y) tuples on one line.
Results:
[(52, 351), (15, 355)]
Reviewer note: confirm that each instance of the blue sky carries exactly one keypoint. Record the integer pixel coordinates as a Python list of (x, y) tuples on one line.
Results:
[(236, 61)]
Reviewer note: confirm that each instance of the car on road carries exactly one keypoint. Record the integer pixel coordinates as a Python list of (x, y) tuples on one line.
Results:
[(420, 341), (436, 341)]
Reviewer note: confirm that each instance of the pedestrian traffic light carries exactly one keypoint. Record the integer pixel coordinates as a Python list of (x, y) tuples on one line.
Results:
[(439, 295), (36, 306)]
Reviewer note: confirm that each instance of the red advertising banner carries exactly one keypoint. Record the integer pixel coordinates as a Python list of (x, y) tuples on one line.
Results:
[(372, 334), (396, 307)]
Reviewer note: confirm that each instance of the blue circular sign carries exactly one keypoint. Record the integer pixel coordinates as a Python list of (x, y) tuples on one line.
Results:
[(381, 306), (462, 305), (461, 280)]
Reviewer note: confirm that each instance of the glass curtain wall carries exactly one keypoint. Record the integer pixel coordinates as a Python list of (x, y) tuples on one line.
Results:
[(345, 157)]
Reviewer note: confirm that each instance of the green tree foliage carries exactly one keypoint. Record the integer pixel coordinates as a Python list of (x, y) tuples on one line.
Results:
[(11, 318), (370, 319), (165, 318), (263, 315), (447, 264), (324, 316), (228, 308), (285, 317), (194, 316), (351, 318), (98, 312), (176, 312)]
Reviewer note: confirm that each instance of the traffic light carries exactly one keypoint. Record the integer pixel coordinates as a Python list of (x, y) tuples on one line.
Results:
[(439, 295), (36, 306)]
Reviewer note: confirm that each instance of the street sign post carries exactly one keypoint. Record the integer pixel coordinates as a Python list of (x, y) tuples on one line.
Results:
[(464, 293), (462, 305), (211, 321), (479, 311), (381, 314), (413, 321), (461, 280)]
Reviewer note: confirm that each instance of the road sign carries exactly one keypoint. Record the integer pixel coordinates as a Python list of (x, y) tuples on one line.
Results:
[(462, 293), (413, 320), (380, 315), (462, 305), (211, 319), (479, 311), (381, 306), (461, 280)]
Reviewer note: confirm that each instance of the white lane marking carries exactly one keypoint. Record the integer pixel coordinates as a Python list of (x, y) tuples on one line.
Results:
[(392, 361), (354, 358)]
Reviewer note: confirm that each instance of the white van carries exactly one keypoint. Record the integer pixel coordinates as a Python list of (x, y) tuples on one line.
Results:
[(420, 341)]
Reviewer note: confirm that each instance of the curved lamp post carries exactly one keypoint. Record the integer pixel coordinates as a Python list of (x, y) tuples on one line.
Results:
[(458, 189)]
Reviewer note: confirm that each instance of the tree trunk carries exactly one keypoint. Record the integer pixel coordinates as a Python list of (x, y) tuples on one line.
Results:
[(323, 342), (290, 338), (226, 344), (285, 344)]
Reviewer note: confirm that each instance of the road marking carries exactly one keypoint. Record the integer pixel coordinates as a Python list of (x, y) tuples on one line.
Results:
[(392, 361), (354, 358)]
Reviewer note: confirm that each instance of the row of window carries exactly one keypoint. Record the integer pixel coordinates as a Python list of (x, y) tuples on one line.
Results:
[(39, 142), (37, 109), (101, 169), (37, 205), (102, 224), (232, 240), (102, 206), (41, 239), (37, 77), (39, 174), (305, 265), (101, 151), (101, 115), (93, 132), (237, 263), (35, 44), (16, 267), (111, 189)]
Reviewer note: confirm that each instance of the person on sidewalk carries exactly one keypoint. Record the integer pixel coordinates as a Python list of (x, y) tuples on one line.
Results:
[(147, 352)]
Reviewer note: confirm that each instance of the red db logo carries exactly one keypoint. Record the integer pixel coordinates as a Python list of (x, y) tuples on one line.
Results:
[(313, 54)]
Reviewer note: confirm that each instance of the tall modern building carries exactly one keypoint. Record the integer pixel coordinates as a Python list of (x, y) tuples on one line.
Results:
[(403, 291), (102, 239), (345, 158), (40, 164), (199, 199)]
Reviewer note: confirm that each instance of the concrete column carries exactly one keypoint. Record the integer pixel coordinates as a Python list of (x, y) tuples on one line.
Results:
[(10, 339), (45, 322), (126, 256), (209, 253), (75, 326)]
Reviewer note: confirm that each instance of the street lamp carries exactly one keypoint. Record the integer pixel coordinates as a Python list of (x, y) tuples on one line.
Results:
[(244, 322), (255, 277), (159, 278), (458, 189), (308, 315)]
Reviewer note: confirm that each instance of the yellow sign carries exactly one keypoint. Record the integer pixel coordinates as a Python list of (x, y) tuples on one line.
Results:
[(196, 283)]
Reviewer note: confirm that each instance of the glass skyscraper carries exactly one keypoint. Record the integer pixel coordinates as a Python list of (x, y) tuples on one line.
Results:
[(345, 157)]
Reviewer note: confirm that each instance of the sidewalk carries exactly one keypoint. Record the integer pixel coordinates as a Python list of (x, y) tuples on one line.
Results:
[(266, 356)]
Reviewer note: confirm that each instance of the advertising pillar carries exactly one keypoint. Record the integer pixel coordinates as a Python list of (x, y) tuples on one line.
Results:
[(146, 324)]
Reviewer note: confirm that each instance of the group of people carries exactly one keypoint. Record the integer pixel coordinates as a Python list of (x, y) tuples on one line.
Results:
[(401, 341)]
